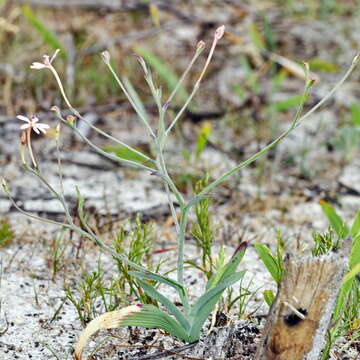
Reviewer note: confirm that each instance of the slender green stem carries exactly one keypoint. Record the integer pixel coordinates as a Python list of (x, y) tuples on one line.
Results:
[(53, 222), (185, 73), (132, 102), (293, 126), (195, 88), (181, 248), (77, 114), (103, 133), (59, 197), (104, 153)]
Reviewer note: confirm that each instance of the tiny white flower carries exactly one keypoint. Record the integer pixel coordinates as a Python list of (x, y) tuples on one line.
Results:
[(38, 66), (33, 124), (46, 62)]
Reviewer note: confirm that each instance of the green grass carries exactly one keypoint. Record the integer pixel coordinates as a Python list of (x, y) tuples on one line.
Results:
[(6, 233)]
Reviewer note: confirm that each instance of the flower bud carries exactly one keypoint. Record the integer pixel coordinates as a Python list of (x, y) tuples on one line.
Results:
[(55, 109), (106, 57), (200, 46), (356, 59), (219, 32), (70, 119)]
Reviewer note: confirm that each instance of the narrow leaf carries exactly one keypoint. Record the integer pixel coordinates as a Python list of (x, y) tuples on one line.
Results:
[(105, 321), (156, 295), (230, 268), (269, 261), (355, 114), (206, 303), (355, 249), (269, 297), (335, 220), (152, 317), (164, 280), (49, 38), (124, 153)]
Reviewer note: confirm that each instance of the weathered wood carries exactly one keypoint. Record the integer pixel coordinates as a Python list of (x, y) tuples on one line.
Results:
[(301, 313)]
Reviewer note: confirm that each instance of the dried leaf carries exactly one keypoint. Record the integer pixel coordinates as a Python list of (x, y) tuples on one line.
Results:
[(105, 321)]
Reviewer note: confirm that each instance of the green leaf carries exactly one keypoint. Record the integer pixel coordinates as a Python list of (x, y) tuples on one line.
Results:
[(288, 103), (270, 262), (346, 287), (355, 249), (49, 38), (164, 280), (322, 65), (156, 295), (269, 297), (124, 153), (164, 71), (202, 139), (335, 220), (230, 268), (206, 303), (256, 37), (152, 317), (355, 114)]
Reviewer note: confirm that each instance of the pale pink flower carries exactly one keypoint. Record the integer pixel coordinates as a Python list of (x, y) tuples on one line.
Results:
[(33, 123), (46, 62)]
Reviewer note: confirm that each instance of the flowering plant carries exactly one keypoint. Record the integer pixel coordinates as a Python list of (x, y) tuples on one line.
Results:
[(185, 324)]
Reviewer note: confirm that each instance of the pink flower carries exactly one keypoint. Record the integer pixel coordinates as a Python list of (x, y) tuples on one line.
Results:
[(46, 62), (33, 124)]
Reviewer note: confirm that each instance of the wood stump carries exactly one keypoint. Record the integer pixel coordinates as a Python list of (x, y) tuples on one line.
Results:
[(301, 313)]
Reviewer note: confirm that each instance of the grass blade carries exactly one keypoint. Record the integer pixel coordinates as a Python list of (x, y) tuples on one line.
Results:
[(355, 249), (335, 220), (49, 38), (270, 262)]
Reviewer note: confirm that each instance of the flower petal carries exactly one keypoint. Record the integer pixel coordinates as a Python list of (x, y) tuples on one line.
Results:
[(43, 126), (37, 66), (36, 130), (42, 130), (23, 118), (25, 126)]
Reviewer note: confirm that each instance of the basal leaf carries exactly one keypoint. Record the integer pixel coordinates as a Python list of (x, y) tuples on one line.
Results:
[(156, 295), (206, 303), (164, 280), (152, 317), (228, 269), (107, 320)]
